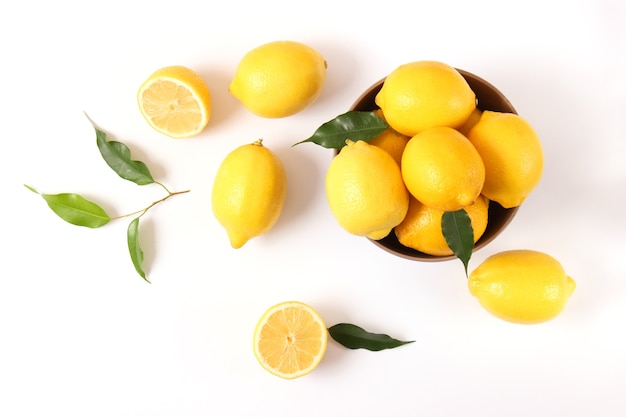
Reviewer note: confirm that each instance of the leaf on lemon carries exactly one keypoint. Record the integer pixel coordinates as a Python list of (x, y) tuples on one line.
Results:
[(136, 253), (75, 209), (353, 125), (456, 227), (355, 337), (117, 156)]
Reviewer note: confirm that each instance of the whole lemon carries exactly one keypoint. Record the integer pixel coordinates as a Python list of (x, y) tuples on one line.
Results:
[(421, 228), (365, 190), (442, 169), (521, 286), (249, 192), (390, 141), (471, 121), (512, 154), (279, 78), (423, 94)]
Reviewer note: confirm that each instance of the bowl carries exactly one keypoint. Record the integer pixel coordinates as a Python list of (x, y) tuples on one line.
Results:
[(488, 98)]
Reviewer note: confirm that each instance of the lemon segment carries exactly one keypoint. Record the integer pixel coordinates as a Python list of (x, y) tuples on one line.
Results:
[(249, 192), (521, 286), (175, 101), (290, 339), (279, 79)]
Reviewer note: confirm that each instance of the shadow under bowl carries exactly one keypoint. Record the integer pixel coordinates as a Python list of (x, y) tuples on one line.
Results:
[(488, 98)]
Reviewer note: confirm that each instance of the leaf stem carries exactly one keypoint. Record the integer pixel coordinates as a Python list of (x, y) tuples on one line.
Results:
[(144, 210), (167, 190)]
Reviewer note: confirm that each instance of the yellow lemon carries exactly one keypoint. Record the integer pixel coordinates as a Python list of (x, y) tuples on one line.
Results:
[(442, 169), (390, 141), (365, 190), (175, 101), (279, 79), (290, 339), (471, 121), (521, 286), (423, 94), (421, 228), (512, 154), (249, 192)]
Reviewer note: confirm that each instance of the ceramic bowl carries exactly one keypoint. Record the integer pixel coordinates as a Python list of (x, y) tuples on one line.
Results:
[(488, 98)]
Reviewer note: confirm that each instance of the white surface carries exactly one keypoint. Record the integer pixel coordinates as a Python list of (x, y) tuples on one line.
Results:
[(83, 335)]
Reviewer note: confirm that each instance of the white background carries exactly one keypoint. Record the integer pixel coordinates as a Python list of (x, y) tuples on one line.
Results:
[(82, 335)]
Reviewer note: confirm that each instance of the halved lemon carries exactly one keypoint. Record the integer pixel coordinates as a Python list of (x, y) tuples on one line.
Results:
[(290, 339), (175, 101)]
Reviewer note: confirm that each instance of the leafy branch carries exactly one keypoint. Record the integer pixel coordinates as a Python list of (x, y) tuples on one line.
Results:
[(77, 210)]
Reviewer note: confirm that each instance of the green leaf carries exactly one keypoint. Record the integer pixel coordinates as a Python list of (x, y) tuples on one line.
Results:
[(354, 337), (136, 254), (457, 230), (76, 210), (353, 125), (117, 156)]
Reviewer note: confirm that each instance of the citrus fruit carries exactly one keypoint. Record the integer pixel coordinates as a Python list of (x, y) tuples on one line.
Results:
[(471, 121), (290, 339), (279, 78), (175, 101), (512, 154), (442, 169), (390, 141), (521, 286), (365, 190), (421, 228), (249, 192), (423, 94)]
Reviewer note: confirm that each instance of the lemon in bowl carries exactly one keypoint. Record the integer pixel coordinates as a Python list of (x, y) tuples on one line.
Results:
[(483, 97)]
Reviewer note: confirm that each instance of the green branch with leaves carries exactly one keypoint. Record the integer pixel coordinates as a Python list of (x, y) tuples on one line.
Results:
[(77, 210)]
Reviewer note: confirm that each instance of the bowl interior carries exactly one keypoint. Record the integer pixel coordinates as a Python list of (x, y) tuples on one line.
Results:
[(488, 98)]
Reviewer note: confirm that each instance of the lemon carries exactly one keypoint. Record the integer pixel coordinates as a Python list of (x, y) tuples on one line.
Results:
[(471, 121), (365, 190), (442, 169), (390, 141), (521, 286), (175, 101), (423, 94), (512, 154), (249, 192), (279, 78), (421, 228), (290, 339)]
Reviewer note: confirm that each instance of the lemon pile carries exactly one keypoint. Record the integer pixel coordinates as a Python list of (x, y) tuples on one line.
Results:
[(451, 156)]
